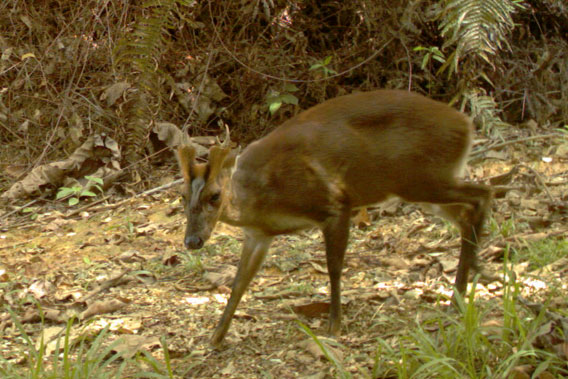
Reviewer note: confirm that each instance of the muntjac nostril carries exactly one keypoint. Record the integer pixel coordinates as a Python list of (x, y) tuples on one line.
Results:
[(193, 242)]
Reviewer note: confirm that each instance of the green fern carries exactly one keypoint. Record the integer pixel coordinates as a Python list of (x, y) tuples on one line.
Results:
[(139, 54), (484, 111), (478, 27)]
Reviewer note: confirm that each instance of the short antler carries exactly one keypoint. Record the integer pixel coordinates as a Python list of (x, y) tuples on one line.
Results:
[(227, 141)]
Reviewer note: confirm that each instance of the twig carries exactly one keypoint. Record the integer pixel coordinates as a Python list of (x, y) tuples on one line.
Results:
[(141, 194), (539, 178), (506, 143), (160, 188), (501, 242), (85, 207), (5, 215), (112, 282)]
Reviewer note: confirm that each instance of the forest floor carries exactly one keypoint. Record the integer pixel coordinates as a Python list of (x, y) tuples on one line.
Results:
[(124, 267)]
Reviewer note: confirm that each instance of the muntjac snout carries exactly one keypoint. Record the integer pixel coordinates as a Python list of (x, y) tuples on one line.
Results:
[(348, 152)]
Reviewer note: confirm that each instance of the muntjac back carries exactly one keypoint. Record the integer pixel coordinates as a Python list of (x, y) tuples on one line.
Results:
[(347, 152)]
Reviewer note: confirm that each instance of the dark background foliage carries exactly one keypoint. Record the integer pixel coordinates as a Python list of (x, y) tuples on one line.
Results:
[(204, 64)]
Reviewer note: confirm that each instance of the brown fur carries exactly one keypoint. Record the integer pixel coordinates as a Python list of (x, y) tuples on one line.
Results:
[(315, 168)]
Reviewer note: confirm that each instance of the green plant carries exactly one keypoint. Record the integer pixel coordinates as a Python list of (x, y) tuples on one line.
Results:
[(343, 374), (193, 263), (543, 252), (159, 369), (32, 212), (275, 99), (505, 228), (452, 345), (430, 53), (476, 27), (140, 52), (323, 66), (87, 360), (88, 356), (76, 192), (484, 110)]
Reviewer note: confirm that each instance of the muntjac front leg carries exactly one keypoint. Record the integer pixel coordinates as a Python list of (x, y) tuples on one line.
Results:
[(255, 246), (336, 234)]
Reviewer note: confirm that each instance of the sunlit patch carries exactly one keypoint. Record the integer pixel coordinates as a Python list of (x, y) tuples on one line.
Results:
[(323, 290), (197, 300), (534, 283), (419, 284), (220, 298), (444, 291), (389, 285)]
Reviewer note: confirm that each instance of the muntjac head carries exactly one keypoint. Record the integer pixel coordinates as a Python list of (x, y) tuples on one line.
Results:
[(205, 190)]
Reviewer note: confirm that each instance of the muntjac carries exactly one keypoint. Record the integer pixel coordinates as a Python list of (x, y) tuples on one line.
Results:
[(314, 169)]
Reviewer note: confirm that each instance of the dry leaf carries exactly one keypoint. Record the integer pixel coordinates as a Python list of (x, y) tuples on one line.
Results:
[(312, 309), (314, 349), (41, 288), (112, 93), (521, 372), (102, 307), (97, 156), (362, 219), (129, 345), (222, 278), (49, 337), (449, 264), (171, 260)]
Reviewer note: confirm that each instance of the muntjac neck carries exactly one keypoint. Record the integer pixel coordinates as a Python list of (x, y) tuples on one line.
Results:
[(231, 212)]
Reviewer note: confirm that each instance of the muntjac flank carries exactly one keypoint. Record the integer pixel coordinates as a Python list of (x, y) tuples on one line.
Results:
[(347, 152)]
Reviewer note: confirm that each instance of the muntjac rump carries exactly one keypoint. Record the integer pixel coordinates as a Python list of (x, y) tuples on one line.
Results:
[(315, 168)]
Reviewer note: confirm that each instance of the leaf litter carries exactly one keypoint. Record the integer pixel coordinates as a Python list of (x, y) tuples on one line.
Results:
[(126, 267)]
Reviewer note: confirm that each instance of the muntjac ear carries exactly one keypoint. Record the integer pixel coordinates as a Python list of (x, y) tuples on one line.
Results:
[(229, 161), (217, 155), (185, 156)]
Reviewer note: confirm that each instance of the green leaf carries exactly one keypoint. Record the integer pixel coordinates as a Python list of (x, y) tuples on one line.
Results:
[(289, 99), (316, 66), (87, 260), (437, 52), (439, 59), (290, 87), (64, 192), (273, 107), (425, 61), (88, 193), (94, 179), (327, 60), (73, 201)]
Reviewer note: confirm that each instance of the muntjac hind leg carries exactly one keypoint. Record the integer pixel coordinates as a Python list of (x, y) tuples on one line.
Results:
[(336, 234), (466, 205), (255, 246)]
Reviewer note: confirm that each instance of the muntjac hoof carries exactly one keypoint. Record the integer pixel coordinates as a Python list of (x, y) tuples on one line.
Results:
[(193, 242)]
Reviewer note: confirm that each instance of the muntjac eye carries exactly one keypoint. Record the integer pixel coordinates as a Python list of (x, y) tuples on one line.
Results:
[(215, 198)]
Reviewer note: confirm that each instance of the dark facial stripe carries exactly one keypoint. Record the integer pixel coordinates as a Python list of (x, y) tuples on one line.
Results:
[(197, 186)]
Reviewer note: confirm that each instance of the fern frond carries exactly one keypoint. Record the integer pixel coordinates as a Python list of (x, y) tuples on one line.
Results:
[(484, 110), (140, 52), (478, 27)]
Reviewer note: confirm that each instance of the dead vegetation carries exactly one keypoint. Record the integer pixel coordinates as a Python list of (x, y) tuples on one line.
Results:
[(66, 76), (125, 267)]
